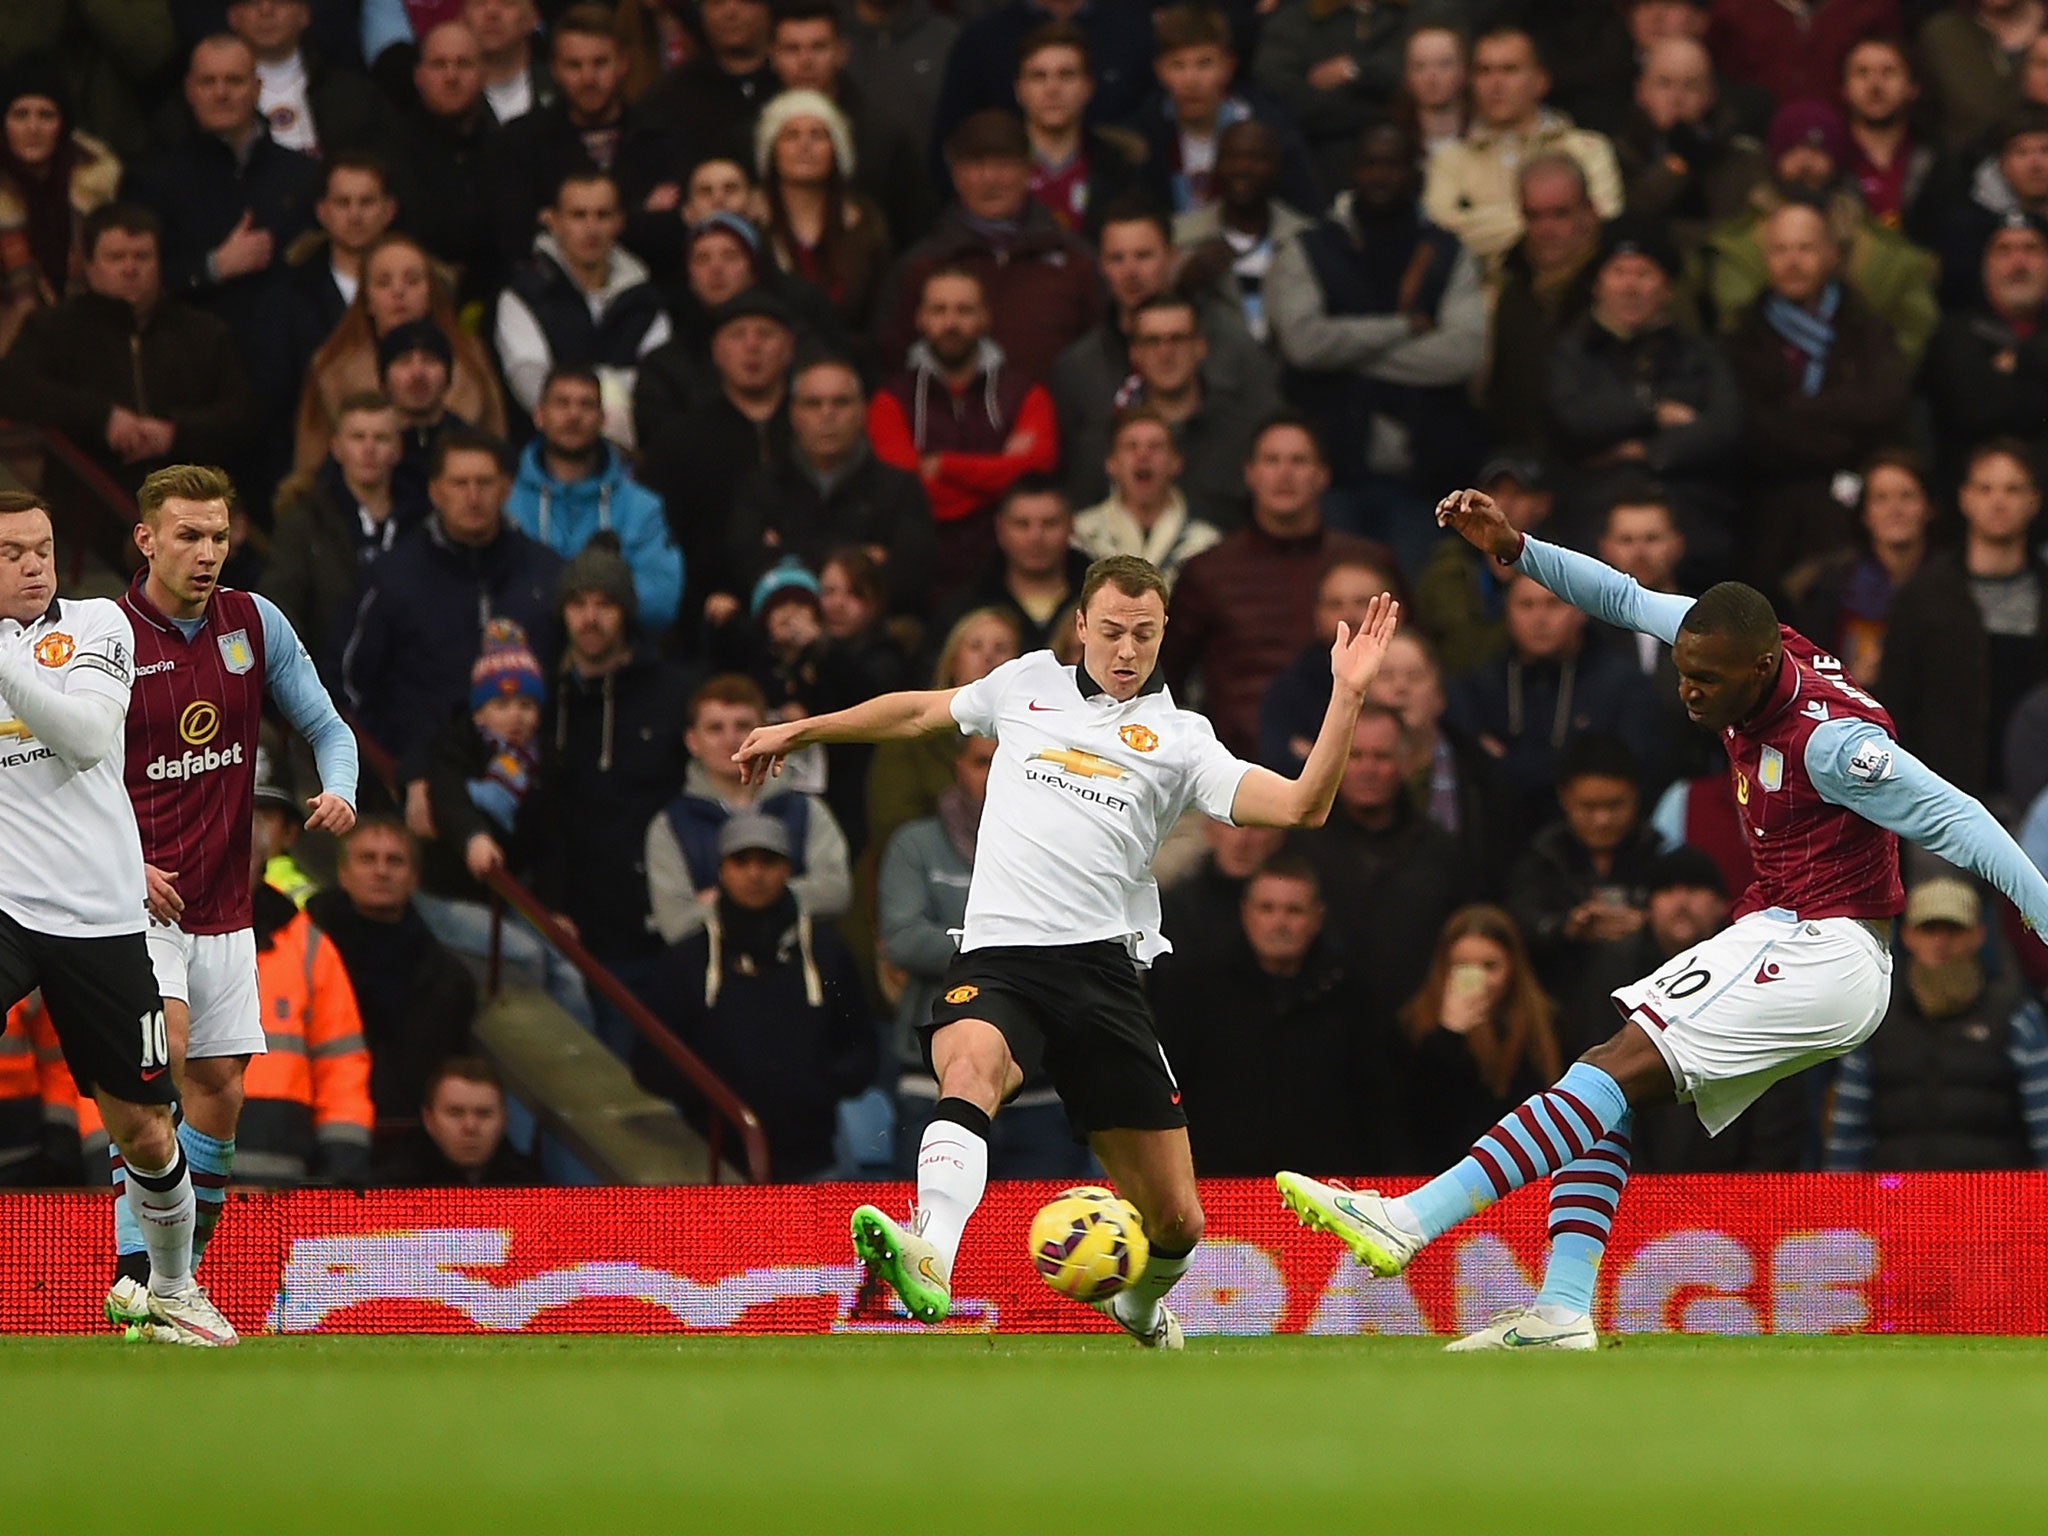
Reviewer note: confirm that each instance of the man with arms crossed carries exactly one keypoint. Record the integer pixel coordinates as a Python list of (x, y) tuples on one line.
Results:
[(1094, 764), (1801, 976), (204, 658), (71, 891)]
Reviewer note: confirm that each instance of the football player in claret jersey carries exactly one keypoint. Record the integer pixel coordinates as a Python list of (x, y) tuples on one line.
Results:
[(71, 894), (206, 656), (1094, 764), (1802, 975)]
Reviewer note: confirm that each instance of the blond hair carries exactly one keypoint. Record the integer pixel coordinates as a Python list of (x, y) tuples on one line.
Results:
[(183, 482)]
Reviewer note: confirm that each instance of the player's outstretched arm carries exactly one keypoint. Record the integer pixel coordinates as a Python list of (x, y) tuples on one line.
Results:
[(887, 717), (1267, 799), (1855, 764), (1580, 580)]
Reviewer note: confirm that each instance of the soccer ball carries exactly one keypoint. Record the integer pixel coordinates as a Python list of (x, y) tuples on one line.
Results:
[(1088, 1244)]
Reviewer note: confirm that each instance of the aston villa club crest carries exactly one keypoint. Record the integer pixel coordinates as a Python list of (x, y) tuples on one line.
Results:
[(1770, 769), (236, 653)]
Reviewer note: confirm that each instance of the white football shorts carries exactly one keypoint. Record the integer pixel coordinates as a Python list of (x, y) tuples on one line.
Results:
[(214, 975), (1767, 996)]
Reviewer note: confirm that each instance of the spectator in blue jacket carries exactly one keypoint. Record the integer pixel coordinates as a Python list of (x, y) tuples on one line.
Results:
[(419, 626), (573, 485)]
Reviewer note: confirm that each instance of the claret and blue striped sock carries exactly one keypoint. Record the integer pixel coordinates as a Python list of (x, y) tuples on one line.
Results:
[(1558, 1126), (1583, 1195)]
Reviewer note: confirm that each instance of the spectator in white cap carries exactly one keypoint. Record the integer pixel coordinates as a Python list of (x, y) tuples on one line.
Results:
[(818, 226)]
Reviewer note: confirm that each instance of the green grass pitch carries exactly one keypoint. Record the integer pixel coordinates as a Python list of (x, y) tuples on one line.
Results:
[(1056, 1437)]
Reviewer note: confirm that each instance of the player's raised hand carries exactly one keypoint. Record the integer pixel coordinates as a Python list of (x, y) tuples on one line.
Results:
[(760, 755), (1355, 658), (329, 813), (1474, 517)]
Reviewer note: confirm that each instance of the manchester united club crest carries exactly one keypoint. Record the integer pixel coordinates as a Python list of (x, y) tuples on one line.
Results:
[(55, 648), (1138, 738), (236, 653), (961, 995)]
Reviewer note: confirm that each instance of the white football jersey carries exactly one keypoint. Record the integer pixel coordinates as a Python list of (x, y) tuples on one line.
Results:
[(1080, 794), (70, 855)]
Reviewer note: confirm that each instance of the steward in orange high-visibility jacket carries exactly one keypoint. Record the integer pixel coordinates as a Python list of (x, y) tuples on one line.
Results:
[(307, 1113), (38, 1103)]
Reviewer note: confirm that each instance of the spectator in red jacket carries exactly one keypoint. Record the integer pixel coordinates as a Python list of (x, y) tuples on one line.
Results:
[(963, 419), (1795, 51), (1039, 279)]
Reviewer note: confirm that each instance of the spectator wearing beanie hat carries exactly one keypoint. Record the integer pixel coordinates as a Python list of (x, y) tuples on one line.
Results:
[(819, 226), (1809, 151), (416, 371), (611, 757)]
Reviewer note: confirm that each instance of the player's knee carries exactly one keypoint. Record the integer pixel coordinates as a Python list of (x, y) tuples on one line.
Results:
[(144, 1134), (1178, 1227)]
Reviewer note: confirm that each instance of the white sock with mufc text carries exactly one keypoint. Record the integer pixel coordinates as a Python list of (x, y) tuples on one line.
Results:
[(161, 1200), (952, 1173), (1138, 1307)]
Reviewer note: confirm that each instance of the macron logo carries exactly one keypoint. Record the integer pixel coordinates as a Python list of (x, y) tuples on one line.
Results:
[(155, 667)]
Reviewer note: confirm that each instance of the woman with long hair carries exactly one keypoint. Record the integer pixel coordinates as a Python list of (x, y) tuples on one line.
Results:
[(818, 226), (1481, 1031), (862, 659), (1843, 602), (1435, 94), (655, 38), (400, 284), (51, 177)]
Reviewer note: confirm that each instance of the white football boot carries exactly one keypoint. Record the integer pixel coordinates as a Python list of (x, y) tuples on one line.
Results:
[(191, 1317), (1521, 1328)]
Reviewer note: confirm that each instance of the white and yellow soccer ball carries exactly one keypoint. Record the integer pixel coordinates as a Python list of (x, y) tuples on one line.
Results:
[(1088, 1244)]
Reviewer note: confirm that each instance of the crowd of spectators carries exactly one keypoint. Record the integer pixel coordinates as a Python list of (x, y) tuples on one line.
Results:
[(601, 381)]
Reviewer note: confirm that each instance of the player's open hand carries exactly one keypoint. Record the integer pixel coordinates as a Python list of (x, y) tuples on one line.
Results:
[(330, 813), (1475, 518), (760, 755), (160, 894), (1355, 659)]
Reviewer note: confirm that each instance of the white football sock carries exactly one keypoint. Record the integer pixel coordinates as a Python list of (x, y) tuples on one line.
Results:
[(161, 1200), (952, 1173), (1138, 1307)]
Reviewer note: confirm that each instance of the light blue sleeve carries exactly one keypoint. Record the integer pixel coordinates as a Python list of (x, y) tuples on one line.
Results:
[(385, 24), (1604, 592), (289, 675), (1854, 764)]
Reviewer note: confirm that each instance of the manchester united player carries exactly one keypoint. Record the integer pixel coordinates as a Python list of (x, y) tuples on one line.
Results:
[(205, 655), (1094, 764), (71, 890), (1801, 976)]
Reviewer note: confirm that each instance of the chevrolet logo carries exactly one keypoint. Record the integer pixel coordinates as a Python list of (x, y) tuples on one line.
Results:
[(1082, 765), (17, 730)]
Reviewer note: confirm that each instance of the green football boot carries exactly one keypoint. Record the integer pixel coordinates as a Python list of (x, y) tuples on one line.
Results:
[(904, 1261)]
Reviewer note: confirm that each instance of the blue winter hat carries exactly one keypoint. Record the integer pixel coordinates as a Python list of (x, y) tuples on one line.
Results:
[(786, 577), (506, 668)]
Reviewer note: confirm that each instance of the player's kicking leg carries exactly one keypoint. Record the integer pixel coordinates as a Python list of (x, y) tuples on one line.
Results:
[(1155, 1171), (160, 1193), (1577, 1129), (976, 1072)]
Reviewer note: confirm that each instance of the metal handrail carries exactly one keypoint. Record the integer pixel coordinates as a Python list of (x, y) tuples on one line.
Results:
[(727, 1107)]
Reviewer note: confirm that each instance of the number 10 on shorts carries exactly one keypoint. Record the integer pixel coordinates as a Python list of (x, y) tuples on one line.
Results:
[(156, 1042)]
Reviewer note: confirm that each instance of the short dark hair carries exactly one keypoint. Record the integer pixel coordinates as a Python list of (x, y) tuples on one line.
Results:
[(584, 21), (354, 160), (1056, 34), (1136, 208), (1167, 300), (951, 269), (1129, 574), (1736, 610), (468, 1069), (14, 503), (582, 176), (578, 373), (1881, 40), (361, 400), (1494, 34), (382, 821), (2028, 117), (129, 218), (1596, 755), (1373, 709), (1294, 420), (1033, 484), (1638, 491), (454, 439), (1190, 26), (1287, 866), (804, 10), (2016, 449), (815, 356)]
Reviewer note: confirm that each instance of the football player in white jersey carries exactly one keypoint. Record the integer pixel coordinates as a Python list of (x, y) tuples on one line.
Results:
[(1094, 764), (71, 890)]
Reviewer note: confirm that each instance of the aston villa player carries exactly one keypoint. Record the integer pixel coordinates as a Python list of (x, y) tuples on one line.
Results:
[(1802, 975), (205, 655)]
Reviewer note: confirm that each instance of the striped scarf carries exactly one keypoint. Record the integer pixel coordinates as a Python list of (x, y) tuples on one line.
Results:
[(1810, 334)]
